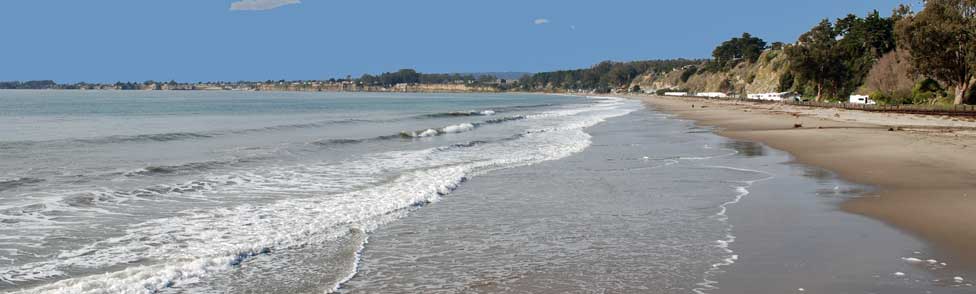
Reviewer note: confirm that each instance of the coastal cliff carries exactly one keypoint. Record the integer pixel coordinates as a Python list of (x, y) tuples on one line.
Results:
[(770, 73)]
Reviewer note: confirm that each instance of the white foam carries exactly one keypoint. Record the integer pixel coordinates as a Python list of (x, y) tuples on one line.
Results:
[(355, 267), (459, 128), (708, 283), (911, 260), (452, 129), (426, 133)]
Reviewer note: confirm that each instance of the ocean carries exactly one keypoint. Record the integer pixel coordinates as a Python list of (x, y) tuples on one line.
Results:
[(268, 192)]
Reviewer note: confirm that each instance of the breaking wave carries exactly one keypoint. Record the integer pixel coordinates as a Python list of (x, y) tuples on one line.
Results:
[(458, 128)]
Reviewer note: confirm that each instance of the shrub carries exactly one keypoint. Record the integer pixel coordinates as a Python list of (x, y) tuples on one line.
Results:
[(881, 98), (688, 73), (786, 81), (927, 90), (891, 75)]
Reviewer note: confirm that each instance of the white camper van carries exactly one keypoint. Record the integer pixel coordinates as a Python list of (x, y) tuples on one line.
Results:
[(861, 99), (712, 95), (782, 96), (678, 94)]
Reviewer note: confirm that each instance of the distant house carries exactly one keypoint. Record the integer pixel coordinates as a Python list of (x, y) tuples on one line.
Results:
[(401, 87), (675, 93), (713, 95), (861, 99), (782, 96)]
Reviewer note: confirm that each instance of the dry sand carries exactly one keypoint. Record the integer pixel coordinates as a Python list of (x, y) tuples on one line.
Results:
[(925, 172)]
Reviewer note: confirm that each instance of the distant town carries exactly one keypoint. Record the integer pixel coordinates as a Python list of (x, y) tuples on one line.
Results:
[(406, 80)]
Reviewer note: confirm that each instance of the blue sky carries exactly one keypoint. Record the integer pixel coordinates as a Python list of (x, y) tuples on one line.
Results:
[(205, 40)]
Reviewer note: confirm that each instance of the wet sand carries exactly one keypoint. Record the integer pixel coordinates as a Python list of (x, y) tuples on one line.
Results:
[(925, 174), (654, 205)]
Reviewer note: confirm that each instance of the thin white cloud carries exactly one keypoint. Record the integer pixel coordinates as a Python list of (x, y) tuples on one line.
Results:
[(540, 21), (255, 5)]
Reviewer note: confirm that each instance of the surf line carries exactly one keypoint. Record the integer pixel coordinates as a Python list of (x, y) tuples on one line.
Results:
[(356, 264), (742, 191)]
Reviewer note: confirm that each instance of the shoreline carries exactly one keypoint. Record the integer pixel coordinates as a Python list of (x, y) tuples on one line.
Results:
[(924, 174)]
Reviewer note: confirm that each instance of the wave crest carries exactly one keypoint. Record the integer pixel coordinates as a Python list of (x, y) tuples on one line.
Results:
[(11, 184)]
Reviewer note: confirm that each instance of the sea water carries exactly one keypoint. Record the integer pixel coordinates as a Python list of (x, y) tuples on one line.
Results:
[(264, 192), (106, 192)]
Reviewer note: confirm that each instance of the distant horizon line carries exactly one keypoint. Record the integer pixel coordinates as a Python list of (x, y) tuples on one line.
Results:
[(346, 77)]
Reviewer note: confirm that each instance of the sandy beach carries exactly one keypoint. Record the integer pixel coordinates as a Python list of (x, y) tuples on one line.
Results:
[(924, 170)]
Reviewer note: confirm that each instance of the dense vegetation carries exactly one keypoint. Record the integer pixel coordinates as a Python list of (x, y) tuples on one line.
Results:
[(904, 58), (833, 59), (942, 39)]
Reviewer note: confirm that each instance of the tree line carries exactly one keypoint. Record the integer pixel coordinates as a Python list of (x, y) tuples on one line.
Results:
[(833, 58), (17, 85), (411, 76), (601, 77)]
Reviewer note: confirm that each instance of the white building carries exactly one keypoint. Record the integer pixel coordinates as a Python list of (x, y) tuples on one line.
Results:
[(861, 99), (675, 93), (772, 96), (713, 95)]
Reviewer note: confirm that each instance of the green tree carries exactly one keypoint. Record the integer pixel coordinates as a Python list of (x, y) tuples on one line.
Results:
[(862, 42), (942, 40), (735, 50), (690, 71), (816, 59)]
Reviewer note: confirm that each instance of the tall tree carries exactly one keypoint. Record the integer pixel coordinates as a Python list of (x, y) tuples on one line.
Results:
[(816, 58), (942, 39), (862, 42)]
